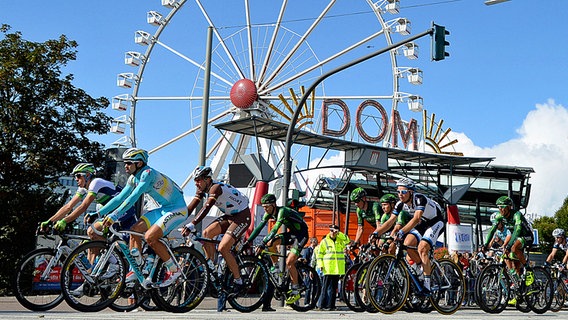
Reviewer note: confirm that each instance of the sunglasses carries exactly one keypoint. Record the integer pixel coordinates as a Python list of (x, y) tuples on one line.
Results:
[(502, 206), (128, 163), (79, 175), (403, 191)]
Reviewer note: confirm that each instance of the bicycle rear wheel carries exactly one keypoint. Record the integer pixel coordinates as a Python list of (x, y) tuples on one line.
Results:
[(491, 289), (86, 293), (388, 284), (361, 294), (128, 300), (349, 287), (255, 276), (540, 292), (448, 287), (189, 290), (309, 279), (32, 291)]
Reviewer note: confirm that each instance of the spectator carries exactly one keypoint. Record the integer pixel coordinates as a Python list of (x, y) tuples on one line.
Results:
[(332, 259)]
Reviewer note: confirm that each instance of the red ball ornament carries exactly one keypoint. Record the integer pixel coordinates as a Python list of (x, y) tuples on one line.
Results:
[(243, 93)]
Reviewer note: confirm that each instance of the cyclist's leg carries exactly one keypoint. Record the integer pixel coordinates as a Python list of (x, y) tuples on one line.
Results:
[(239, 224), (427, 243), (172, 217), (273, 247), (517, 250), (411, 240), (298, 242)]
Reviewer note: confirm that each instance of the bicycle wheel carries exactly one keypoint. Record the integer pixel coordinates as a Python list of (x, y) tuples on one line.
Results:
[(387, 284), (491, 289), (128, 300), (309, 279), (559, 295), (255, 276), (36, 288), (348, 288), (540, 291), (361, 294), (189, 290), (447, 286), (86, 292)]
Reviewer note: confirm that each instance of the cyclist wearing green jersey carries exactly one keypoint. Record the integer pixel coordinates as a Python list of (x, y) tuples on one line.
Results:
[(369, 211), (296, 237), (521, 232)]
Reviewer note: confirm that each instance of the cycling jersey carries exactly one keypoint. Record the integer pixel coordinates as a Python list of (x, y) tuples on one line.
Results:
[(502, 235), (371, 215), (517, 224), (158, 186), (561, 246), (231, 201), (101, 189), (432, 212), (291, 218)]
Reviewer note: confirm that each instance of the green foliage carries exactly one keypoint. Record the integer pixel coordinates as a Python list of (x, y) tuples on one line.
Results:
[(45, 123), (545, 225)]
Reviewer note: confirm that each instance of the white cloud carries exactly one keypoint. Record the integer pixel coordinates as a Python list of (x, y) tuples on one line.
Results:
[(543, 145)]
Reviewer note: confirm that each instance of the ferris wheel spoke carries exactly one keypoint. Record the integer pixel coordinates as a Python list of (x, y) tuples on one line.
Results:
[(302, 40), (249, 36), (268, 56), (221, 40), (321, 63)]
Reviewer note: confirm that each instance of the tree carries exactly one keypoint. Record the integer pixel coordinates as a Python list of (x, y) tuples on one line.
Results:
[(45, 123), (545, 225)]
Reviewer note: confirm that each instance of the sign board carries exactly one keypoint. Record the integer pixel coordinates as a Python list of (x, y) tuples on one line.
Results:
[(460, 238), (363, 158)]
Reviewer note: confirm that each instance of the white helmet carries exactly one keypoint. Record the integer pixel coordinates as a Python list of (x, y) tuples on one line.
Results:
[(558, 233)]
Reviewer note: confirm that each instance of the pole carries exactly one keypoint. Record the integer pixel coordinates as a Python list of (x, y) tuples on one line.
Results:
[(205, 112)]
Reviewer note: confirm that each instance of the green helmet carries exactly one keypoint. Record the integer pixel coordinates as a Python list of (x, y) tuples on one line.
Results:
[(268, 198), (84, 168), (504, 201), (358, 194), (135, 154), (388, 198)]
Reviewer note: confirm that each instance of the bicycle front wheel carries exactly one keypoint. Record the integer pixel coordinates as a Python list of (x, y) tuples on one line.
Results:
[(309, 279), (559, 296), (491, 289), (36, 284), (81, 289), (189, 290), (361, 294), (447, 285), (388, 284), (539, 290), (349, 287), (255, 277)]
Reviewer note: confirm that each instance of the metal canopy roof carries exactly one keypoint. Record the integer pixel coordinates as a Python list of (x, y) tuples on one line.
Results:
[(270, 129)]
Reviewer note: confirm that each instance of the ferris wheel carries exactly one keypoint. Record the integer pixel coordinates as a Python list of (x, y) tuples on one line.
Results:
[(263, 56)]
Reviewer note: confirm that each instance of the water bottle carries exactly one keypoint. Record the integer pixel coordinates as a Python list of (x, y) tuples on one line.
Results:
[(85, 261), (149, 264), (136, 255)]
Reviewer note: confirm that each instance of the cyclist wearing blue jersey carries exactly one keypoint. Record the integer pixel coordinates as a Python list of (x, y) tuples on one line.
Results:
[(156, 223), (233, 223)]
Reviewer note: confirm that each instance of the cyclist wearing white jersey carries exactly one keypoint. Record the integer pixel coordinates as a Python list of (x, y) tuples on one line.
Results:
[(421, 215), (234, 222)]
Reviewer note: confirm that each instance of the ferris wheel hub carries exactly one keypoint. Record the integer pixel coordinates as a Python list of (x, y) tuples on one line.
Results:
[(243, 93)]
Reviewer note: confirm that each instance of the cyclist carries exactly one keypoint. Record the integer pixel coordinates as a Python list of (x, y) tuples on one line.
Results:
[(387, 222), (521, 233), (233, 223), (90, 188), (423, 218), (296, 237), (157, 222), (369, 211), (502, 236), (560, 244)]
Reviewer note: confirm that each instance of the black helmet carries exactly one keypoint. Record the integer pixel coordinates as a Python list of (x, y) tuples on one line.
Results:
[(202, 172), (268, 198)]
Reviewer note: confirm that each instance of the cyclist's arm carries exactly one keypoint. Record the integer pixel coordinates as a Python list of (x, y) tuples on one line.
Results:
[(258, 228), (82, 208), (359, 233), (214, 192), (146, 183), (517, 230), (552, 254), (490, 235), (68, 207), (117, 200), (276, 227), (565, 259), (413, 222), (387, 225)]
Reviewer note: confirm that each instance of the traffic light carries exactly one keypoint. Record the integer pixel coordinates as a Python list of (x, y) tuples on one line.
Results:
[(439, 43)]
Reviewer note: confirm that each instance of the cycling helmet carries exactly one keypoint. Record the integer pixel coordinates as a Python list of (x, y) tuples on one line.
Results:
[(405, 182), (504, 201), (558, 233), (268, 198), (135, 154), (358, 194), (202, 172), (391, 198), (84, 168)]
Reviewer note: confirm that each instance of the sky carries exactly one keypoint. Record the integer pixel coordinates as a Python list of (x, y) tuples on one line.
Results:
[(502, 91)]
